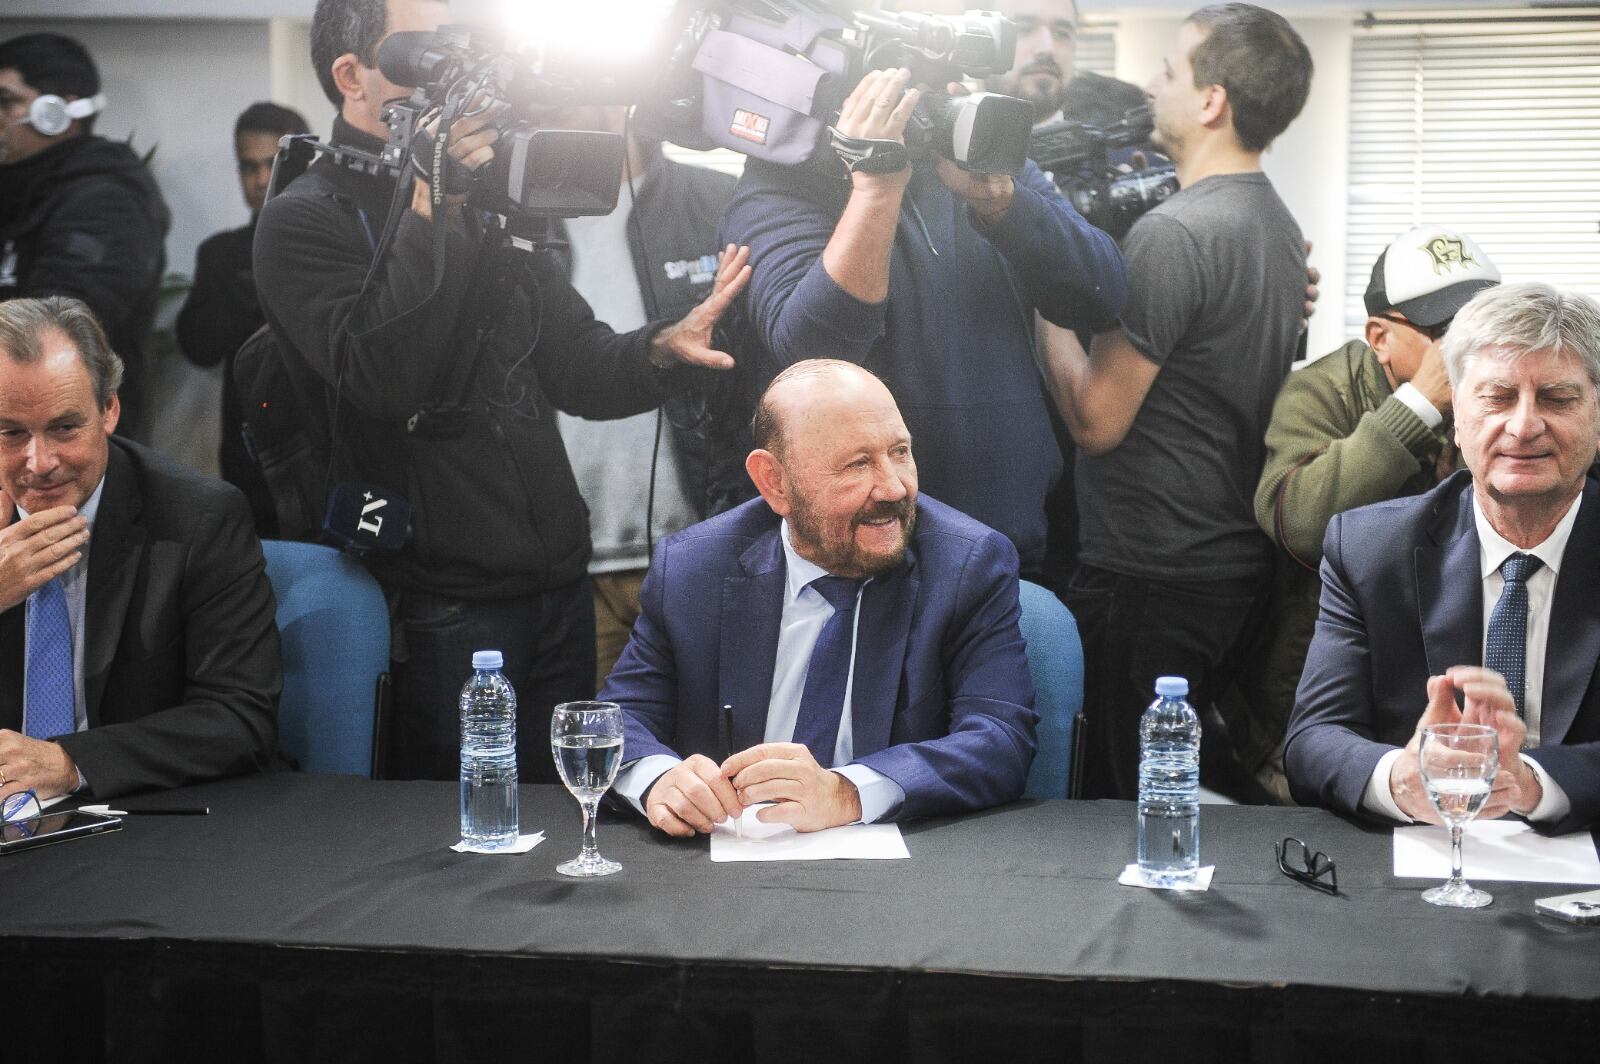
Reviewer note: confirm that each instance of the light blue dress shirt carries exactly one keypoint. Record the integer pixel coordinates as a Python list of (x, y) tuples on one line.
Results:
[(805, 612), (75, 585)]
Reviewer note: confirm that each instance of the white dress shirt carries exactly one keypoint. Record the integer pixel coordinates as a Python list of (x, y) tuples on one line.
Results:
[(805, 612), (1493, 550)]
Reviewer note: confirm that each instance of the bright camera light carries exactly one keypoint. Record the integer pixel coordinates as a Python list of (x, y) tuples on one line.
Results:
[(606, 30)]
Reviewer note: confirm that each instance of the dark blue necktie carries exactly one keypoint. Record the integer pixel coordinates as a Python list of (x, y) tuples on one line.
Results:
[(1506, 649), (822, 703), (49, 695)]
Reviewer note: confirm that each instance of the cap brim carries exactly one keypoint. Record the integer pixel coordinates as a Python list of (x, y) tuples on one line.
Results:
[(1436, 307)]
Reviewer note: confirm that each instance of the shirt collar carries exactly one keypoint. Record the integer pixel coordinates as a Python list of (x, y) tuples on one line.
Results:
[(1494, 549), (798, 572)]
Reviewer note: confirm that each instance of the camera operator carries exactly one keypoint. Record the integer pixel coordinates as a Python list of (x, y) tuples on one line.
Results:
[(1169, 410), (499, 539), (929, 276)]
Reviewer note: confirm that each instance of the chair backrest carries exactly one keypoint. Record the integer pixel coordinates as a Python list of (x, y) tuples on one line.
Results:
[(335, 629), (1055, 658)]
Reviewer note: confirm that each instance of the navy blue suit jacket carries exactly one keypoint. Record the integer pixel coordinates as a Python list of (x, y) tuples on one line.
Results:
[(942, 701), (1402, 600)]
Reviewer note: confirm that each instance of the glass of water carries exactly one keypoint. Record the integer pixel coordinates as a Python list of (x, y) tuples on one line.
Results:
[(586, 738), (1459, 762)]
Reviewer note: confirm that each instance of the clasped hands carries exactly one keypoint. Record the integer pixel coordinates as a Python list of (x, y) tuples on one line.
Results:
[(698, 793), (1485, 700)]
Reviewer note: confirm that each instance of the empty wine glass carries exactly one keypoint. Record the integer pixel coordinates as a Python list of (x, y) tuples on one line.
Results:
[(1459, 762), (586, 738)]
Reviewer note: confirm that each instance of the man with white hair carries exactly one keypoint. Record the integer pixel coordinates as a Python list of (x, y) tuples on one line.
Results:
[(1420, 594)]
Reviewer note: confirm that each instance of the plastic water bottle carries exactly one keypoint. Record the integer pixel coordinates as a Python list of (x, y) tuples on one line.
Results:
[(1169, 786), (488, 755)]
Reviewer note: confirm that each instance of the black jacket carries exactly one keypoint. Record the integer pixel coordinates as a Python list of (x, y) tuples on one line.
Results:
[(181, 669), (219, 314), (84, 218), (496, 511)]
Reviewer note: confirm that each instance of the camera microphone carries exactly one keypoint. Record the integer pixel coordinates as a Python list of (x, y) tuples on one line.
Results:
[(413, 57)]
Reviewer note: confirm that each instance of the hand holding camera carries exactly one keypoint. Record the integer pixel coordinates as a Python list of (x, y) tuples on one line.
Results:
[(472, 141)]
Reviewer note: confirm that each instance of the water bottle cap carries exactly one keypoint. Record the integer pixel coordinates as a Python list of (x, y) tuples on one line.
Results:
[(487, 659), (1172, 687)]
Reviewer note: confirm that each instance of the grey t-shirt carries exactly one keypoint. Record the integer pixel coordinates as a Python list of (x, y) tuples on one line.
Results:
[(1216, 280)]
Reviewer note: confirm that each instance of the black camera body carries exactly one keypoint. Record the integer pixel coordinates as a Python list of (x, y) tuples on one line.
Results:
[(767, 79), (457, 71), (1079, 155)]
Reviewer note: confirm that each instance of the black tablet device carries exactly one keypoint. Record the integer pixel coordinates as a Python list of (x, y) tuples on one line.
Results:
[(19, 835)]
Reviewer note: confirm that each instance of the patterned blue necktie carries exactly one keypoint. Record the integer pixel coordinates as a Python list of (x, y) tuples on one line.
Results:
[(49, 696), (1506, 649), (822, 702)]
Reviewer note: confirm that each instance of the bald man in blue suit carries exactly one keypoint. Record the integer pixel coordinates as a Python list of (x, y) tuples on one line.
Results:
[(931, 705)]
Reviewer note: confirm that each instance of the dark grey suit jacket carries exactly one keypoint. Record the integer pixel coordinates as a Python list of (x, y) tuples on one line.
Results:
[(1402, 600), (181, 665)]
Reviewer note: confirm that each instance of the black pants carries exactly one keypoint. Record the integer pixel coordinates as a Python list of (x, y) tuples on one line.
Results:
[(547, 640), (1135, 630)]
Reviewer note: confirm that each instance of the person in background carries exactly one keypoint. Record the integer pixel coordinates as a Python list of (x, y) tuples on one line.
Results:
[(643, 477), (222, 310), (1365, 423), (1168, 410), (80, 215)]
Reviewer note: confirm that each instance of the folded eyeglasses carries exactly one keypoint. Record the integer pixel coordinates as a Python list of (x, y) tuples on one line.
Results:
[(1303, 865)]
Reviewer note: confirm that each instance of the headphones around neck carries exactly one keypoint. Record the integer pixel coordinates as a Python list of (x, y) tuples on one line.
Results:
[(51, 115)]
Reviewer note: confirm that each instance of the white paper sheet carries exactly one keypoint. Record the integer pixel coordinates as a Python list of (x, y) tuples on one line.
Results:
[(1507, 850), (523, 844), (1130, 877), (779, 842)]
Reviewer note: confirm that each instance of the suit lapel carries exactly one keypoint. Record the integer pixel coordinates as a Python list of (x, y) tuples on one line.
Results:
[(1449, 589), (1573, 645), (114, 553), (882, 636), (752, 607)]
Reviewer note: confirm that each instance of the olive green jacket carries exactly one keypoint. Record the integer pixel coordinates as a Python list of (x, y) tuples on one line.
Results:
[(1338, 439)]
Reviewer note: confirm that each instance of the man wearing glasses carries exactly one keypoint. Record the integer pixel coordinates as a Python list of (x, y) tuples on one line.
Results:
[(1362, 424), (137, 641)]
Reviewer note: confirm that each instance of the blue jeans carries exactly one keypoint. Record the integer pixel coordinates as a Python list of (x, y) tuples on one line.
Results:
[(547, 640)]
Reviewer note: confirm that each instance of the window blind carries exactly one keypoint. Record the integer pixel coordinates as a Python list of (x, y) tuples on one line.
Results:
[(1493, 129)]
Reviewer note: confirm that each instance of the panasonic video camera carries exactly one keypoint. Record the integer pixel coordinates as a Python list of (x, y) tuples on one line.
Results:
[(767, 77)]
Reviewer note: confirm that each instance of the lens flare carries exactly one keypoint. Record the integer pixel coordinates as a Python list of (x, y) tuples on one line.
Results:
[(603, 30)]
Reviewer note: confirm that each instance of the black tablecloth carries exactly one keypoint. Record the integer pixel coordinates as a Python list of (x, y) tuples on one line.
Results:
[(1008, 922)]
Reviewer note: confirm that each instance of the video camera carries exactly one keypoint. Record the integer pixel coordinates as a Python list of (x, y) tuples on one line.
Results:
[(1079, 155), (767, 77), (462, 71)]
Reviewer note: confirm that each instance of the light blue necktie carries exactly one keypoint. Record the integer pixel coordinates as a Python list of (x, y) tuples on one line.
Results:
[(49, 696), (822, 702), (1506, 649)]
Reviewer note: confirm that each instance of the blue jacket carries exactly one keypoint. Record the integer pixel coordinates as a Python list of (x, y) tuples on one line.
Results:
[(954, 339), (942, 702), (1402, 600)]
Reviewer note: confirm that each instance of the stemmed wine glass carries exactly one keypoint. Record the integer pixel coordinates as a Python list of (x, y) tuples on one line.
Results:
[(1459, 762), (586, 738)]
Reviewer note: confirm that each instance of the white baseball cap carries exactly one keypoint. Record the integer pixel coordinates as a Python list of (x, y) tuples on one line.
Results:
[(1428, 274)]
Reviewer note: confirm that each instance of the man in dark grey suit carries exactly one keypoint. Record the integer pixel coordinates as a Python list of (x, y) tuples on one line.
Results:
[(137, 642), (1486, 589)]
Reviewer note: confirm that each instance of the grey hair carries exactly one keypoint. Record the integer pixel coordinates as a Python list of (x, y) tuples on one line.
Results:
[(1512, 320), (26, 325), (766, 426)]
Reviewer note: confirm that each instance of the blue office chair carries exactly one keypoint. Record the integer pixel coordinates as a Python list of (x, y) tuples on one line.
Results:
[(1055, 658), (335, 630)]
